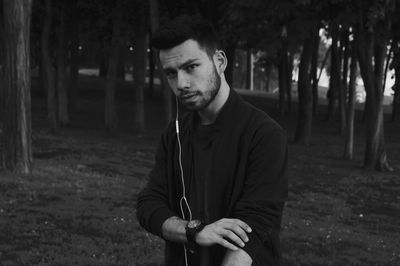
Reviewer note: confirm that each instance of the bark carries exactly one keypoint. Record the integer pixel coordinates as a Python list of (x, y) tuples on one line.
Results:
[(314, 69), (396, 87), (289, 82), (110, 114), (16, 136), (103, 57), (139, 57), (344, 47), (350, 111), (62, 76), (2, 59), (74, 62), (371, 55), (121, 63), (304, 121), (167, 95), (268, 71), (327, 53), (334, 81), (283, 69), (150, 87), (249, 70), (48, 70)]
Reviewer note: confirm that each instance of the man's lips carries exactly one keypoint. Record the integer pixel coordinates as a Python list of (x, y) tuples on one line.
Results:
[(186, 96)]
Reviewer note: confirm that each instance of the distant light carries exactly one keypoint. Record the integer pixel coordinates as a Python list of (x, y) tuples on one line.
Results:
[(130, 48), (236, 64), (148, 50), (80, 47)]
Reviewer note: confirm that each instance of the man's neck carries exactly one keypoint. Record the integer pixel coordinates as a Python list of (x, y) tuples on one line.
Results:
[(210, 113)]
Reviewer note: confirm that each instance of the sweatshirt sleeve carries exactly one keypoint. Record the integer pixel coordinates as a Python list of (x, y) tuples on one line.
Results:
[(264, 193), (152, 203)]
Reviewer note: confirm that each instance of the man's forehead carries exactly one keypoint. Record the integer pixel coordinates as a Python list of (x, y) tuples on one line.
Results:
[(188, 50)]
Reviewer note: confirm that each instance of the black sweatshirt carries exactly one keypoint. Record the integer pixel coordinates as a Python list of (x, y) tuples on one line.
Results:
[(244, 178)]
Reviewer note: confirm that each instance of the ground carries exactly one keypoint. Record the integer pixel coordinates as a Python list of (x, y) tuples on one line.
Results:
[(78, 206)]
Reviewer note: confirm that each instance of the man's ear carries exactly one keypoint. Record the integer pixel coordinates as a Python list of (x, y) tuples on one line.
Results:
[(220, 61)]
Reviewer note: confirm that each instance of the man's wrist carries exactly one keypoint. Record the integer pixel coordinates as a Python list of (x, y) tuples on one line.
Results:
[(193, 228), (173, 229)]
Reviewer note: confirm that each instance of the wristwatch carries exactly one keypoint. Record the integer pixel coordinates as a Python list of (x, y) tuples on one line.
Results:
[(193, 227)]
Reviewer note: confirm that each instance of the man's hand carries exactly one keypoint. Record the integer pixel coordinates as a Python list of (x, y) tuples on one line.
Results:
[(223, 230), (237, 258)]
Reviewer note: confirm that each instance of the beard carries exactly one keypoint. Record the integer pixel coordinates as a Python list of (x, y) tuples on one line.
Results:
[(204, 99)]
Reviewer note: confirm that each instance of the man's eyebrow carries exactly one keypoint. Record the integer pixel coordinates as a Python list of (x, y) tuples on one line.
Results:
[(183, 65)]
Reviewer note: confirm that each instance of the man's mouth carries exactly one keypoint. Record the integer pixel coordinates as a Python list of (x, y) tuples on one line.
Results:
[(187, 96)]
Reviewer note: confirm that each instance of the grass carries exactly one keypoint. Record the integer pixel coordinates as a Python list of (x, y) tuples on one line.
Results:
[(78, 205)]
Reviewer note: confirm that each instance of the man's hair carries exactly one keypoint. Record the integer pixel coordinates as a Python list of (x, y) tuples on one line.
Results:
[(184, 28)]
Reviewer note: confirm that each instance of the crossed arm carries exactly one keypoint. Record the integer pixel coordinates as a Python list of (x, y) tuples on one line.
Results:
[(235, 230)]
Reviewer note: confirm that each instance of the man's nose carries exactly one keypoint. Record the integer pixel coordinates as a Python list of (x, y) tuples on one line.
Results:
[(182, 81)]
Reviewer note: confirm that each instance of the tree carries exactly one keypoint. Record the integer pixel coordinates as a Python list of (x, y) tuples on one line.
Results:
[(47, 68), (304, 121), (62, 76), (395, 65), (16, 136), (110, 114), (349, 130), (371, 36), (167, 95), (334, 81), (314, 70), (139, 74), (74, 52), (284, 74)]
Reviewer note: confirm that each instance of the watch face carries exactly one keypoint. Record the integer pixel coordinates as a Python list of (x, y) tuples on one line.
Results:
[(194, 223)]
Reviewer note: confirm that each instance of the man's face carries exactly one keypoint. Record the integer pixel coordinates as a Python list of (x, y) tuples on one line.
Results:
[(191, 74)]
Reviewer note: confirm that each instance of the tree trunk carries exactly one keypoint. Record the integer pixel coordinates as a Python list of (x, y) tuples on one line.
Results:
[(103, 57), (2, 59), (150, 87), (304, 121), (396, 87), (344, 48), (121, 63), (62, 77), (74, 63), (371, 54), (283, 68), (334, 81), (349, 131), (268, 71), (167, 95), (48, 70), (314, 70), (17, 134), (327, 53), (139, 74), (249, 70), (289, 82), (110, 114)]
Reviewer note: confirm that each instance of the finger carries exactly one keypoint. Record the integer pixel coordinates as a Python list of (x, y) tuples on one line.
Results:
[(238, 231), (233, 237), (242, 224), (226, 244)]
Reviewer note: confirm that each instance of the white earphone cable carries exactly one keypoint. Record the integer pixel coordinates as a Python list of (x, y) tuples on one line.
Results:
[(183, 200)]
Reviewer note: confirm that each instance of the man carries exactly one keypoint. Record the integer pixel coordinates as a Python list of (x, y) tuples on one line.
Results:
[(217, 190)]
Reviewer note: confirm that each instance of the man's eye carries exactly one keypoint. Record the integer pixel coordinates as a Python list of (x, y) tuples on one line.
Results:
[(170, 75), (191, 67)]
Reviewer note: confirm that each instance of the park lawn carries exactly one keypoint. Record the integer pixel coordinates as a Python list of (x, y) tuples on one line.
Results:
[(78, 206)]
